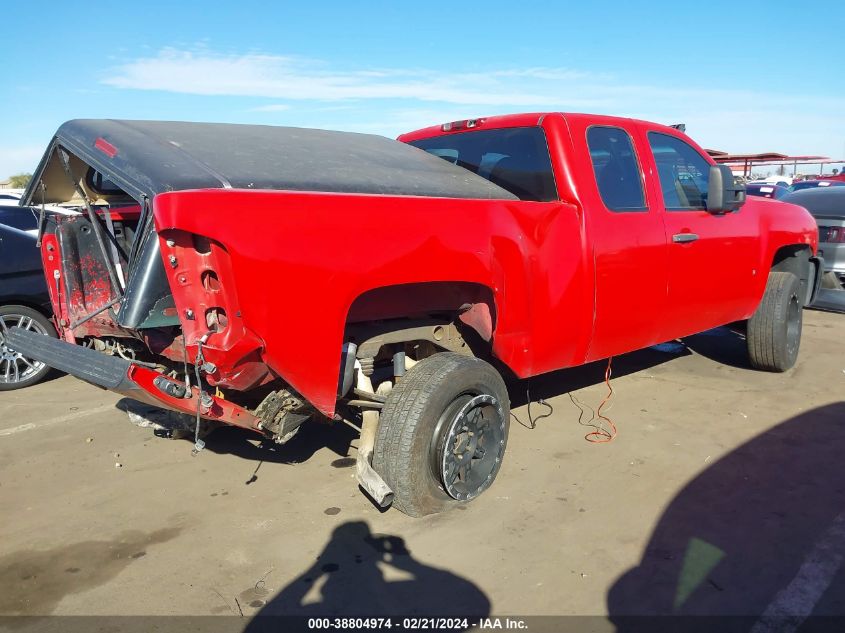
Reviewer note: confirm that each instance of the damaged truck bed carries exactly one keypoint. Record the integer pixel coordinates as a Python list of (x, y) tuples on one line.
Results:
[(120, 298)]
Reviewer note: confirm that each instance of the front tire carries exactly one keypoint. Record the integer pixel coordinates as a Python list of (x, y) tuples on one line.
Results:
[(774, 331), (442, 433), (16, 370)]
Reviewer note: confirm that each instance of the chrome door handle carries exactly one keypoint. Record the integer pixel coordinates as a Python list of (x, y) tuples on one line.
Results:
[(683, 238)]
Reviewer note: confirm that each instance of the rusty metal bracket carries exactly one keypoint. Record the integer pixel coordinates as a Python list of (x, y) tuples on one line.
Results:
[(371, 337)]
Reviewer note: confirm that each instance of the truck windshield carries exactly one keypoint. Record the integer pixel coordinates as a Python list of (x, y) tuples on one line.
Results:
[(516, 159)]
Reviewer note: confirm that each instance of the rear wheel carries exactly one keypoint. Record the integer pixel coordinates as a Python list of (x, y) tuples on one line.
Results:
[(774, 331), (442, 433), (16, 370)]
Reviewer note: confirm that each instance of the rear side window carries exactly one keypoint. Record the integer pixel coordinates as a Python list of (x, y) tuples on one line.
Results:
[(102, 185), (616, 168), (516, 159), (684, 174)]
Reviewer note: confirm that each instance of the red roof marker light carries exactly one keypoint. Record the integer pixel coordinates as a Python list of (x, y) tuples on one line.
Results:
[(105, 147)]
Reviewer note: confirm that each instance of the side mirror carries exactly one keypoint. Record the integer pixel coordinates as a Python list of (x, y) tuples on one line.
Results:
[(723, 196)]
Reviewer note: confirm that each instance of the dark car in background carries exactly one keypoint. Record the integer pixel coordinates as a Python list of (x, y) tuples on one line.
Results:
[(776, 192), (813, 184), (827, 206), (24, 301)]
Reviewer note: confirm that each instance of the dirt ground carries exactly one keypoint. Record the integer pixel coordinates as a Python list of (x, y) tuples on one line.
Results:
[(720, 489)]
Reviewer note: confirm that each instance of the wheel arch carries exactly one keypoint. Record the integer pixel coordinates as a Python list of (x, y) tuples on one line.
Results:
[(460, 315), (798, 259)]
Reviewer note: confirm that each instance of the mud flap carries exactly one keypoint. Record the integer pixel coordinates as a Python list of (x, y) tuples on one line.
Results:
[(816, 263)]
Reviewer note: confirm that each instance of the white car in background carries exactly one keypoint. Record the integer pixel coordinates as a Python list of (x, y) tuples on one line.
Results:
[(10, 196), (782, 181)]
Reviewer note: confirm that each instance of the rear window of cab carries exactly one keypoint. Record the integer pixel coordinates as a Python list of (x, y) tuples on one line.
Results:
[(516, 159)]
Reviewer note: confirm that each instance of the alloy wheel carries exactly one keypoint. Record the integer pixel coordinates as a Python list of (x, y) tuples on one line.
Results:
[(468, 447), (15, 367)]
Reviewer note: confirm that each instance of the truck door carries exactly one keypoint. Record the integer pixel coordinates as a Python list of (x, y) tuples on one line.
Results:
[(628, 240), (712, 258)]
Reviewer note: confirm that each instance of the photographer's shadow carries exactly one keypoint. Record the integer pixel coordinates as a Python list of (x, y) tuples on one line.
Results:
[(363, 574), (759, 534)]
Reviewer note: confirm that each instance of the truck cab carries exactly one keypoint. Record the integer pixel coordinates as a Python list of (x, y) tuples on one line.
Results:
[(663, 259)]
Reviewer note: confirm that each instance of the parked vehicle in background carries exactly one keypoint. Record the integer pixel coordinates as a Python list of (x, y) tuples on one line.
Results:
[(775, 192), (12, 196), (827, 206), (24, 300), (266, 276), (780, 181), (813, 184)]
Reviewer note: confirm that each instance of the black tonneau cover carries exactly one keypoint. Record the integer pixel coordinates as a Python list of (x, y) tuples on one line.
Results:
[(145, 158), (150, 157)]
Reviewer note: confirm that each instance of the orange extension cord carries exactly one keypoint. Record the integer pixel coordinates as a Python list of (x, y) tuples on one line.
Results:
[(599, 435)]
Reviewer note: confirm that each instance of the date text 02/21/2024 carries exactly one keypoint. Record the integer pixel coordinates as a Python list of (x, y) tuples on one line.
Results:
[(417, 624)]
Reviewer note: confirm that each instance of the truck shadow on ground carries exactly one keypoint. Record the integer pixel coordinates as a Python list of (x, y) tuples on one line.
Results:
[(337, 437), (725, 345), (362, 574), (231, 440), (761, 531), (248, 445), (563, 381)]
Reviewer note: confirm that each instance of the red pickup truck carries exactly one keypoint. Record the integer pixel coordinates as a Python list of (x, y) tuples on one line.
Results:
[(266, 276)]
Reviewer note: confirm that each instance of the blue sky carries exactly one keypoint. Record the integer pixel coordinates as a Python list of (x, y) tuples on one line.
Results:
[(744, 77)]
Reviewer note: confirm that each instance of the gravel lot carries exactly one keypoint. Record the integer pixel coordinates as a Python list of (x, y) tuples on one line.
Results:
[(721, 494)]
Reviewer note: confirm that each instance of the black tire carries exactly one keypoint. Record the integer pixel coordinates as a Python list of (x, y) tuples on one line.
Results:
[(11, 315), (774, 331), (436, 398)]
